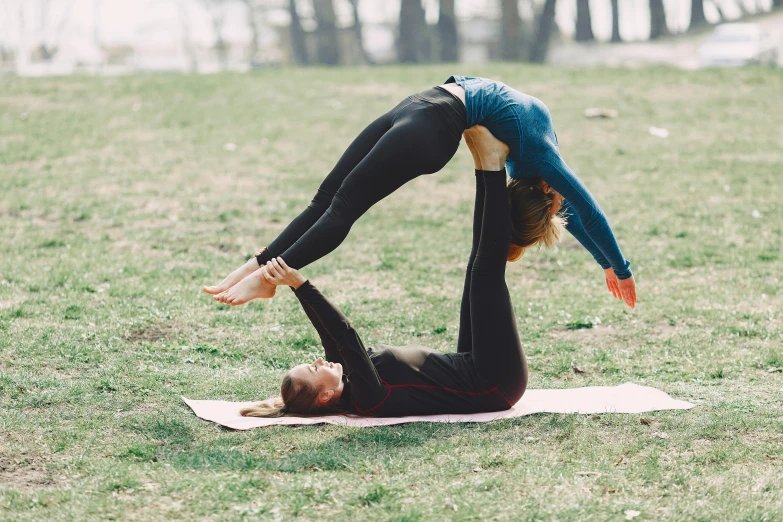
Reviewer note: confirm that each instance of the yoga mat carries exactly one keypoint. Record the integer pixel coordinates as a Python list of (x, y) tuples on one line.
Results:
[(626, 398)]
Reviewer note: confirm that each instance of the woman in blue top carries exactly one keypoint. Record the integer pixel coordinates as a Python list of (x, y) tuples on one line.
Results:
[(419, 136)]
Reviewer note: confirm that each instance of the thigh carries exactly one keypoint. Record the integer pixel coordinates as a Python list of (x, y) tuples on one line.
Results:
[(357, 150), (408, 150)]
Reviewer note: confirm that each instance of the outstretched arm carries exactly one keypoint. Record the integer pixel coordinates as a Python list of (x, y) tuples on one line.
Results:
[(594, 222), (575, 227), (353, 356), (590, 221)]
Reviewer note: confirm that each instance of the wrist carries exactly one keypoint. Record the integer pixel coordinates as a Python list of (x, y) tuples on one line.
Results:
[(298, 282)]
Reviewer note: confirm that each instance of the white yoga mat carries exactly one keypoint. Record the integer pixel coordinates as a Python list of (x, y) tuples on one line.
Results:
[(626, 398)]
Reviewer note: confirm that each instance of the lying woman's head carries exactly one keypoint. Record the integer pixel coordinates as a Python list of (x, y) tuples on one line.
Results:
[(306, 389), (534, 207)]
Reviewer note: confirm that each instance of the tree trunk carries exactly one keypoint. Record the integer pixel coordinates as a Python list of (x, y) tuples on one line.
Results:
[(511, 31), (447, 31), (657, 19), (298, 44), (717, 7), (616, 38), (584, 24), (327, 44), (221, 45), (251, 22), (357, 31), (544, 25), (697, 15), (411, 43), (187, 43)]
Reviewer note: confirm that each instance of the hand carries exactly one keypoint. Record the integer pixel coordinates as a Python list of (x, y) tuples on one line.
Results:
[(259, 251), (278, 273), (624, 289), (628, 289)]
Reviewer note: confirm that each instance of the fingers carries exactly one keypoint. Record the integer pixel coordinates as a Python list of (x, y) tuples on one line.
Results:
[(611, 284), (277, 269), (285, 267), (630, 297), (276, 273), (268, 275), (628, 287)]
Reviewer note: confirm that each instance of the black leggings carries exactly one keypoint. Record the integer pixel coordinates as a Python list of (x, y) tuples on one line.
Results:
[(417, 137), (488, 327), (487, 324)]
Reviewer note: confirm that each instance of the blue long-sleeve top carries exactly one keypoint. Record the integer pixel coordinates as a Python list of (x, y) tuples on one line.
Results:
[(524, 124)]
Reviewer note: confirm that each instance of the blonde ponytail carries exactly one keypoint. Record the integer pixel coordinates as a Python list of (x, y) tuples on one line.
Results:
[(268, 408), (296, 398)]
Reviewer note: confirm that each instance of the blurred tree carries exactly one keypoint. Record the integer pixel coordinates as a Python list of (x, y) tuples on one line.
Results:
[(357, 30), (187, 42), (511, 31), (297, 34), (718, 8), (657, 19), (697, 15), (250, 9), (96, 30), (447, 31), (584, 23), (777, 3), (217, 15), (327, 44), (616, 38), (545, 23), (413, 39), (50, 42)]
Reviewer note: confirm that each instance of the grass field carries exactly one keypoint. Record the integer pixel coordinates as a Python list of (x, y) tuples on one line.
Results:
[(119, 198)]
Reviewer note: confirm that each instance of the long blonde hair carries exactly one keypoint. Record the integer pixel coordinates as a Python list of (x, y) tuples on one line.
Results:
[(295, 398), (531, 221)]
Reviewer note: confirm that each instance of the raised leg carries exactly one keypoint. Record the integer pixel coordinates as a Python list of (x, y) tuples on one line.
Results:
[(497, 351), (258, 287), (490, 153), (415, 145)]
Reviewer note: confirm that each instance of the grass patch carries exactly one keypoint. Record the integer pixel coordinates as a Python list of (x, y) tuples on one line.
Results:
[(103, 326)]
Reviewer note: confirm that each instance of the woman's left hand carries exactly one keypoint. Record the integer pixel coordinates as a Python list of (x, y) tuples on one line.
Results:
[(278, 273)]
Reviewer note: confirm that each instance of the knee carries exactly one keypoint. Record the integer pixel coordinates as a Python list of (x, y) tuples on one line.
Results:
[(517, 389), (343, 207), (322, 199)]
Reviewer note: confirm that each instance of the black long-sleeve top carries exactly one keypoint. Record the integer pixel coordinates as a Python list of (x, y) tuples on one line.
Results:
[(391, 381)]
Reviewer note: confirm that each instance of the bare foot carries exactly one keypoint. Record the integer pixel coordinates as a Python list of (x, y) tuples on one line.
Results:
[(253, 286), (234, 277)]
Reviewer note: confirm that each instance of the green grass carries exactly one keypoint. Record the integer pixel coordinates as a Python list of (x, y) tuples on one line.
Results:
[(118, 201)]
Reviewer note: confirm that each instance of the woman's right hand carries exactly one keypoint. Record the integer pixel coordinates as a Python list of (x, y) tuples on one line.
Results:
[(628, 290), (278, 273)]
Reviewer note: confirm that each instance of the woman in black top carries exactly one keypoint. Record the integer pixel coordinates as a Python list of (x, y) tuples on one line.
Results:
[(487, 373)]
